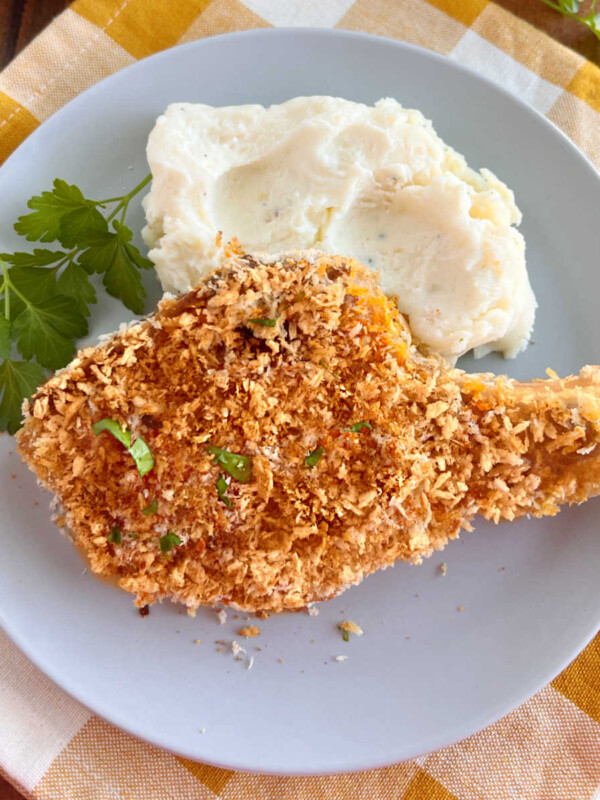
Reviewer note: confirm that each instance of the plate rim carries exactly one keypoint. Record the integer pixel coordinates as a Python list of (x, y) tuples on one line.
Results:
[(460, 731)]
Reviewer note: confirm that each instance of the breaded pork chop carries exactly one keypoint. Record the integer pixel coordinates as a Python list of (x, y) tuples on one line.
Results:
[(273, 436)]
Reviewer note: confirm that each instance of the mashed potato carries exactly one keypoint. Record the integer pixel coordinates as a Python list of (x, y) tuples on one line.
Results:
[(375, 183)]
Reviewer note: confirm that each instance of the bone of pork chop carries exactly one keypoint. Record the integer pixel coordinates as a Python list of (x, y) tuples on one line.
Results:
[(439, 446)]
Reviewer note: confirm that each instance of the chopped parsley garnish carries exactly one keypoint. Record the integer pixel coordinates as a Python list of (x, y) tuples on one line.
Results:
[(151, 508), (112, 426), (139, 450), (345, 636), (236, 465), (266, 323), (142, 455), (358, 426), (312, 459), (323, 364), (114, 536), (222, 487), (169, 541)]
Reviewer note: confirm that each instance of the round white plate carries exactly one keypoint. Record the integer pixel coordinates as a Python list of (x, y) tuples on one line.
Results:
[(424, 674)]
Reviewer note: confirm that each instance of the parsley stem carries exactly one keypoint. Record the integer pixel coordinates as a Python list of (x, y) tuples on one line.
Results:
[(127, 197), (108, 200), (8, 285), (68, 257), (6, 290)]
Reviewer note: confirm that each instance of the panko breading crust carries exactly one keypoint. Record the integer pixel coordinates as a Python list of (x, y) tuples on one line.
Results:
[(441, 446)]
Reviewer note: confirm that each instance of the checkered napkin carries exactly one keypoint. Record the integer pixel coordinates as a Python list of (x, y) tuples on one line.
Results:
[(53, 748)]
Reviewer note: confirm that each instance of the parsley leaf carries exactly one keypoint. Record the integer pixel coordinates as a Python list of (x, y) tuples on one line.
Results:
[(18, 379), (114, 536), (358, 426), (168, 542), (39, 258), (75, 283), (142, 455), (4, 338), (238, 466), (47, 330), (26, 284), (35, 283), (62, 214), (312, 459), (151, 508), (45, 294), (266, 323), (139, 450), (345, 636), (113, 427), (113, 255), (222, 487)]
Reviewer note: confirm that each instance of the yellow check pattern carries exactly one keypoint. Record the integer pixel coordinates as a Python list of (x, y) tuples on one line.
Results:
[(549, 749)]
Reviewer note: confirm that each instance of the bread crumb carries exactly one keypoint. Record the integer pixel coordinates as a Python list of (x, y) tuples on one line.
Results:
[(236, 648), (202, 730), (351, 627), (220, 650), (222, 616), (444, 568), (313, 611), (14, 475), (461, 608), (249, 631), (280, 660), (197, 641), (340, 658), (251, 662)]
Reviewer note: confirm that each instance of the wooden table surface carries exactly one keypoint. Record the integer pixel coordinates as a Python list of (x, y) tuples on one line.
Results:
[(21, 20)]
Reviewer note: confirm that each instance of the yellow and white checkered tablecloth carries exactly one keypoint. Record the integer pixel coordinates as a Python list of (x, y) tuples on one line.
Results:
[(54, 749)]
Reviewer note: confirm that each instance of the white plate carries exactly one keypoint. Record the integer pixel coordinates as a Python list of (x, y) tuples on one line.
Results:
[(424, 674)]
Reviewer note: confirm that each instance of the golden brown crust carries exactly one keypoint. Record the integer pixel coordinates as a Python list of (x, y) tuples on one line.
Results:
[(442, 446)]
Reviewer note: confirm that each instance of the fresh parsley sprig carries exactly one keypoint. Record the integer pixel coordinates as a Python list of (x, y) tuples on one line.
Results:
[(571, 8), (45, 295)]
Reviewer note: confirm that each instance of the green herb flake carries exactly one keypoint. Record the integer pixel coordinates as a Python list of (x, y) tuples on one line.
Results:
[(266, 323), (358, 426), (151, 508), (114, 536), (142, 455), (345, 636), (312, 459), (113, 427), (325, 366), (222, 487), (236, 465), (168, 542), (139, 450)]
